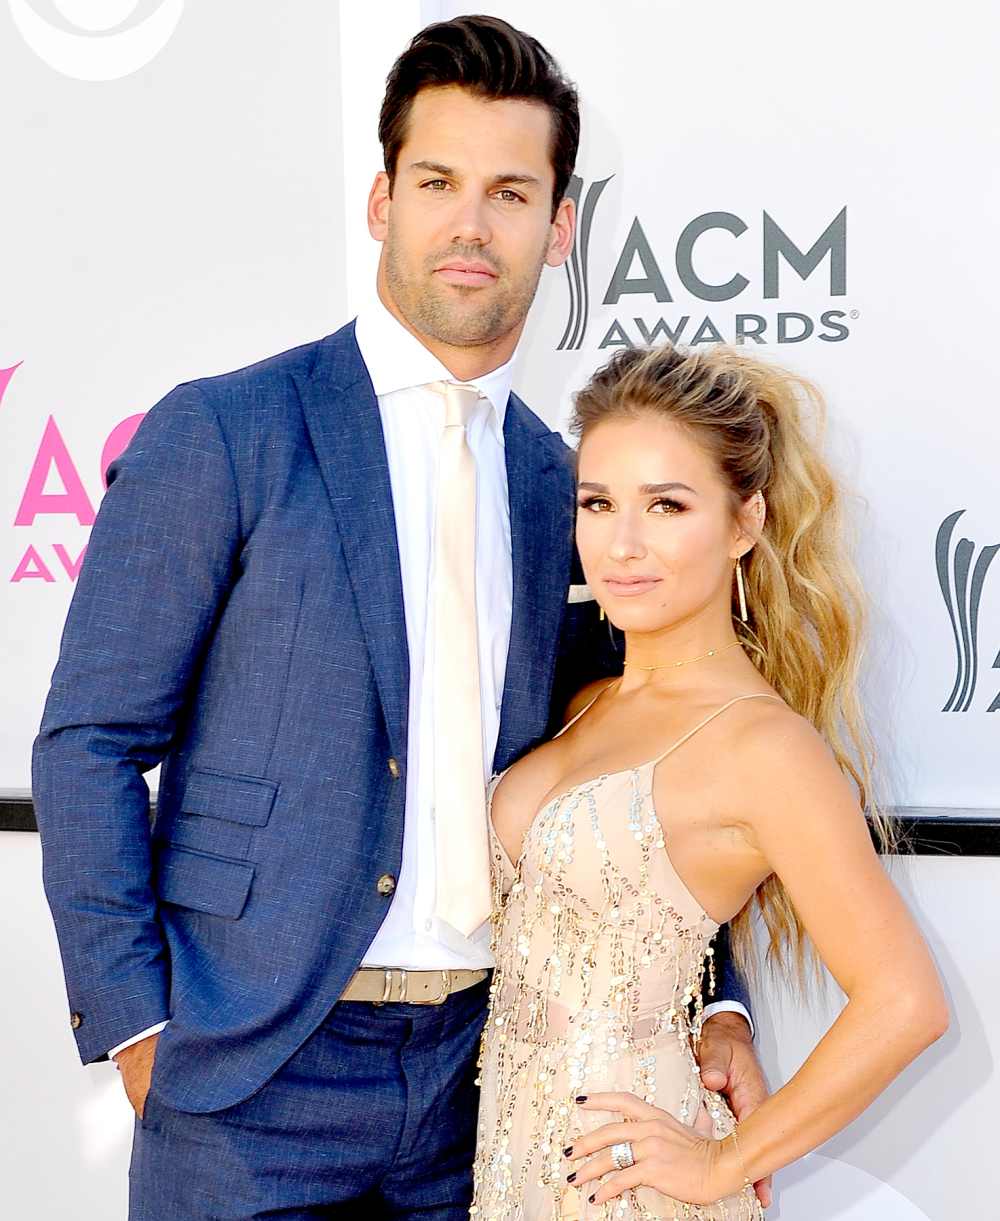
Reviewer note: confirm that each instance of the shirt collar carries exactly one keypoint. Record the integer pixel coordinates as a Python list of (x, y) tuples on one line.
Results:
[(397, 360)]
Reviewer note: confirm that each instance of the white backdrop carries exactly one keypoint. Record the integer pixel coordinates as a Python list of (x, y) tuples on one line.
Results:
[(800, 111), (184, 193), (190, 217), (179, 221)]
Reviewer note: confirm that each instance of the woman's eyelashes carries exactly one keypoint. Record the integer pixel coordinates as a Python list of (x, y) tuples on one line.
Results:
[(667, 504), (602, 504), (596, 504)]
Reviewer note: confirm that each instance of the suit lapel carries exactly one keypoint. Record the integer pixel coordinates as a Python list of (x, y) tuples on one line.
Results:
[(342, 416), (540, 488)]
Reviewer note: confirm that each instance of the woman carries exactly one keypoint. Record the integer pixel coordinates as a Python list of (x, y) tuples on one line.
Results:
[(727, 765)]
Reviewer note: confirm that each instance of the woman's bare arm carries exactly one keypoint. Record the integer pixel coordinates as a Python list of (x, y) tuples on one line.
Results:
[(803, 818), (804, 823)]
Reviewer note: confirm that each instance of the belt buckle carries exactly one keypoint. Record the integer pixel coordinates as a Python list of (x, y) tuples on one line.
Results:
[(387, 997), (445, 990), (402, 998)]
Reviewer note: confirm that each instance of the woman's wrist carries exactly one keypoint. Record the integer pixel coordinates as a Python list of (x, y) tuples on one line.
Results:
[(728, 1172)]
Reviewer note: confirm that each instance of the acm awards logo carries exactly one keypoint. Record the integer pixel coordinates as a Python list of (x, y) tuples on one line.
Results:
[(639, 273), (53, 488), (96, 40), (961, 574)]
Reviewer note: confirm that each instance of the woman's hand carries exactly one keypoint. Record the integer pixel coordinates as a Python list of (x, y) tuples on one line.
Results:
[(670, 1157)]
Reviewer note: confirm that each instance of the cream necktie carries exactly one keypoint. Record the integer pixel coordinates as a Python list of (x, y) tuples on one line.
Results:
[(463, 860)]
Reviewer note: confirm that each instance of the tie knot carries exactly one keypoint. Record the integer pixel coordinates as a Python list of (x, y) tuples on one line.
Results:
[(459, 402)]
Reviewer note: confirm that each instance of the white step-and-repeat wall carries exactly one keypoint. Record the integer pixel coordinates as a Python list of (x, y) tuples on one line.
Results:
[(184, 188)]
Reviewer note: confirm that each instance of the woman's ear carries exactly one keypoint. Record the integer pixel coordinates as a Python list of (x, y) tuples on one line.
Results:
[(750, 523)]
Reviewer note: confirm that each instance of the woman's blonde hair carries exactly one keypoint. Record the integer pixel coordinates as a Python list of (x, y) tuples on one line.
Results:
[(761, 424)]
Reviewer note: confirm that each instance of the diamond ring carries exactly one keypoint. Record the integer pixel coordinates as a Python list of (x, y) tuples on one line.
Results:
[(622, 1155)]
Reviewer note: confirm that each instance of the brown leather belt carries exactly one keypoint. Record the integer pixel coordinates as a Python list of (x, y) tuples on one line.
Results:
[(394, 986)]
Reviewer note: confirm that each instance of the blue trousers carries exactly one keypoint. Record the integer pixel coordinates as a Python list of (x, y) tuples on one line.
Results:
[(373, 1118)]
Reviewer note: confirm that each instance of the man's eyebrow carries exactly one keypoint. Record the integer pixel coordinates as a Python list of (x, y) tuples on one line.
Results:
[(647, 489), (518, 178), (513, 177), (433, 167)]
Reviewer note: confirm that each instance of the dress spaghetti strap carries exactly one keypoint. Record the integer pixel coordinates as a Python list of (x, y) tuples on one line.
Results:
[(757, 695), (586, 708)]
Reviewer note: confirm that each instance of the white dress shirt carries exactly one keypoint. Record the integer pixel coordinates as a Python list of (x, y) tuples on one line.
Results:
[(412, 422), (412, 416)]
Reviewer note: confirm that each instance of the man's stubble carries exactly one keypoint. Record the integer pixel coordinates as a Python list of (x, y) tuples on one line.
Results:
[(452, 316)]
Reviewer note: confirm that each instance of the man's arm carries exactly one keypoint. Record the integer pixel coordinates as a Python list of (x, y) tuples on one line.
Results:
[(159, 562), (158, 1028), (731, 994)]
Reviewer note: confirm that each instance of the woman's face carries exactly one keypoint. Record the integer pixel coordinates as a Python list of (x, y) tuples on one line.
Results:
[(655, 527)]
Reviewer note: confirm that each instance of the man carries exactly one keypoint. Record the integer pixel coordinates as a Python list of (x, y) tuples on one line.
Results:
[(328, 593)]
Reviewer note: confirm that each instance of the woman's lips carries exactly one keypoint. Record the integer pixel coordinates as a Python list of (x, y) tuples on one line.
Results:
[(631, 587)]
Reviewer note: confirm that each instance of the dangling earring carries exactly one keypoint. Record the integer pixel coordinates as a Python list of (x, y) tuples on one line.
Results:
[(740, 589), (603, 616)]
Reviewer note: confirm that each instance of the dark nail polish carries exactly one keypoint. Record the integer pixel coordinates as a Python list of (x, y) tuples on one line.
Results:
[(591, 1199), (570, 1178), (581, 1097), (568, 1151)]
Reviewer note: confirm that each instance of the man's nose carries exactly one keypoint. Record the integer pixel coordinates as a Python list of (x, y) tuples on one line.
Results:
[(470, 222)]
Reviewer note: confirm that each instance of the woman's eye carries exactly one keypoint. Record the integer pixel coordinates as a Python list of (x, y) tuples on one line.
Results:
[(667, 506), (596, 504)]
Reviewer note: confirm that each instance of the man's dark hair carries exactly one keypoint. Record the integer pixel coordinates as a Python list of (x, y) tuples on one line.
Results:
[(494, 61)]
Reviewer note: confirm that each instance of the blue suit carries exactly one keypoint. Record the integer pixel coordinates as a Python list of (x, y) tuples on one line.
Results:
[(239, 618)]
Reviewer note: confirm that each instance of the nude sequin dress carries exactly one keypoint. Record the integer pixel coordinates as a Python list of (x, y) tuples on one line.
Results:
[(600, 951)]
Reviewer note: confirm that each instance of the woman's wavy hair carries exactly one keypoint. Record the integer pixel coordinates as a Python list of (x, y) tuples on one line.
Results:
[(762, 425)]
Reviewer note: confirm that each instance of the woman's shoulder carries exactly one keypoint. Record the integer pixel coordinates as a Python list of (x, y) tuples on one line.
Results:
[(586, 695), (776, 748), (769, 728), (765, 730)]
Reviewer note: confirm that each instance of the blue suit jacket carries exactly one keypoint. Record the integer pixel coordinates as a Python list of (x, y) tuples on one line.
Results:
[(239, 618)]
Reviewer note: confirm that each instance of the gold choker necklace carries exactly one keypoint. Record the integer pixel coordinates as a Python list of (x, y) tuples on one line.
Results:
[(672, 665)]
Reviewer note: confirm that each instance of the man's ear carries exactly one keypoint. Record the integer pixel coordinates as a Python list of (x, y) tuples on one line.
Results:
[(379, 206), (561, 238)]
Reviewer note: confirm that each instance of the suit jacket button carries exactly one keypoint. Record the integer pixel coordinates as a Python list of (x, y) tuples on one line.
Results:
[(76, 1020), (394, 769), (386, 884)]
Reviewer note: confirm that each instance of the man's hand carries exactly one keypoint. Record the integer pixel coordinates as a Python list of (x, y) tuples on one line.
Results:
[(136, 1066), (729, 1065)]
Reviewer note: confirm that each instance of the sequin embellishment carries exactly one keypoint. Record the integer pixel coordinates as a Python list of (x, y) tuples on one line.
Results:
[(600, 951)]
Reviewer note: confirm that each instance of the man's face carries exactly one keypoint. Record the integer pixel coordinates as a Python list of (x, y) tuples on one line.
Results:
[(469, 224)]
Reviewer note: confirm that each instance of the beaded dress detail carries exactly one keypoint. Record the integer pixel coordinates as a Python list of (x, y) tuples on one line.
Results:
[(600, 954)]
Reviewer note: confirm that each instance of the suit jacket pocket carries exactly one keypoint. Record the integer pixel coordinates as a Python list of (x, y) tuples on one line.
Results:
[(203, 883), (244, 799)]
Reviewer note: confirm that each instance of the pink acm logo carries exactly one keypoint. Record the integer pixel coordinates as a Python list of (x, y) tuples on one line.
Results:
[(54, 466)]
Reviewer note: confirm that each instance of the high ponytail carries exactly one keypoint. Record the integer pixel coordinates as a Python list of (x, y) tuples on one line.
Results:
[(805, 607)]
